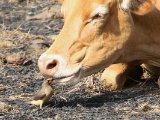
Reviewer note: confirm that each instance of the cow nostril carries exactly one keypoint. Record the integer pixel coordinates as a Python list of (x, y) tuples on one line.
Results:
[(52, 65)]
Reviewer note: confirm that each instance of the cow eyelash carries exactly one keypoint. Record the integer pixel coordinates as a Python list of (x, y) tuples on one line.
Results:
[(96, 16)]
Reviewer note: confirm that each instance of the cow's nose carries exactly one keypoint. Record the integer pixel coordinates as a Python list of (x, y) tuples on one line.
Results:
[(48, 64)]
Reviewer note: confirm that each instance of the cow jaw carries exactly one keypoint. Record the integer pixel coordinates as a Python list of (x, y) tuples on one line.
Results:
[(69, 81)]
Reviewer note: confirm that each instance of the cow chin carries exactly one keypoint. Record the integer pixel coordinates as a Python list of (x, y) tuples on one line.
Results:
[(69, 81)]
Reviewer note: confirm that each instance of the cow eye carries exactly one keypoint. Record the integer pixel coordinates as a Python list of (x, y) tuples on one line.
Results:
[(100, 12), (97, 16)]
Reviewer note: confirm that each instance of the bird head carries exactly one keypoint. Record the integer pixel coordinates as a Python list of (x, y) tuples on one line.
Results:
[(49, 81)]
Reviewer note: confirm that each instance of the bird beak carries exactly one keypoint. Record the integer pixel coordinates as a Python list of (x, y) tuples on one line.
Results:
[(50, 81)]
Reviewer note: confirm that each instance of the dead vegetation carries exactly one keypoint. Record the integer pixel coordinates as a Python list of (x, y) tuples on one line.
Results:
[(21, 43)]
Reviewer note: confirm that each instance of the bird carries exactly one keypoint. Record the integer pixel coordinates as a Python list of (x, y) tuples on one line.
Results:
[(44, 94)]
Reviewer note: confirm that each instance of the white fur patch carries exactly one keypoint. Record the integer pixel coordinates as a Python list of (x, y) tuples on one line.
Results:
[(126, 4), (101, 9)]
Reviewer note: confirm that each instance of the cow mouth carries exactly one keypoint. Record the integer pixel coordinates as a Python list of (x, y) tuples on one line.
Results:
[(68, 81)]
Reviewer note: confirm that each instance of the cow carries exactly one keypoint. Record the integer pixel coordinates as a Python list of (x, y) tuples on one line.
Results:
[(110, 35)]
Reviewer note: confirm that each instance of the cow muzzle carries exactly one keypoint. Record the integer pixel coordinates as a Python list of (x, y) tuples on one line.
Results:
[(57, 67)]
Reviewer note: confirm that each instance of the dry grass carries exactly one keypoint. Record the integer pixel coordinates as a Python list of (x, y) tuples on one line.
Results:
[(85, 101)]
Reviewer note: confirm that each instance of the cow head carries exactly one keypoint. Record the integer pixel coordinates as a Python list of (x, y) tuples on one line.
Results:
[(93, 37)]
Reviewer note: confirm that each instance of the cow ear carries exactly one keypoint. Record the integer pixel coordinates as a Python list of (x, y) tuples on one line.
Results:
[(140, 7)]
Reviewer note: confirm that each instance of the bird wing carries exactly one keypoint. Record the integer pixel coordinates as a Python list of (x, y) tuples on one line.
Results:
[(39, 95)]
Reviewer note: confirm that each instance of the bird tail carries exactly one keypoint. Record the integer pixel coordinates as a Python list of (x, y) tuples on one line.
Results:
[(36, 102)]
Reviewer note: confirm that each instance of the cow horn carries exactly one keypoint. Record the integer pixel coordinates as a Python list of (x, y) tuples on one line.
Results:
[(126, 5)]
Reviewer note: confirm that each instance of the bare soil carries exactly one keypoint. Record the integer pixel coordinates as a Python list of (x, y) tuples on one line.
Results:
[(21, 43)]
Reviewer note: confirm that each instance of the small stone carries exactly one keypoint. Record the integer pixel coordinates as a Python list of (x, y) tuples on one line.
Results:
[(5, 108), (16, 58), (146, 108)]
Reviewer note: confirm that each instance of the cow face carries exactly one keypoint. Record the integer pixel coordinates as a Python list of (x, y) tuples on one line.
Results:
[(93, 37)]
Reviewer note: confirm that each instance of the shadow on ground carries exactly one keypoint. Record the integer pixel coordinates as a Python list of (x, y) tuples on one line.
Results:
[(20, 77)]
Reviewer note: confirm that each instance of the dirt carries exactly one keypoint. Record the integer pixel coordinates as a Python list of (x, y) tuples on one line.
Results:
[(21, 43)]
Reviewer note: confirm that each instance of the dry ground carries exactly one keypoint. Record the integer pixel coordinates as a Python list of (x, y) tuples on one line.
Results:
[(21, 43)]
